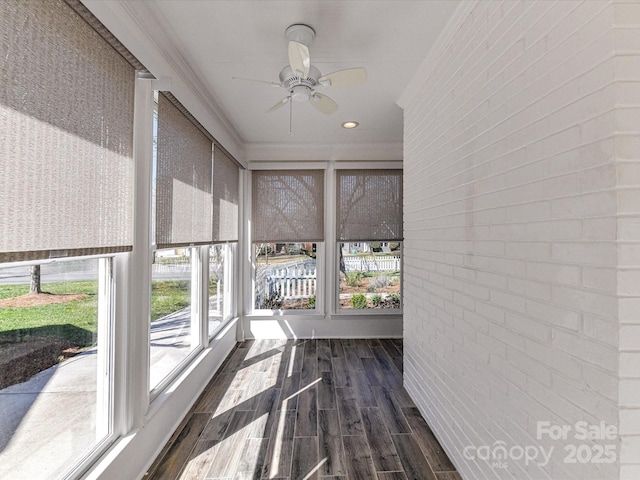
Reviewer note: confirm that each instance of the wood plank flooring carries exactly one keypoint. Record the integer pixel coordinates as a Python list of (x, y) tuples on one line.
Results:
[(306, 409)]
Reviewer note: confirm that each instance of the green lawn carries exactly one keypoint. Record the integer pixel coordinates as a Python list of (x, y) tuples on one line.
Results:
[(74, 321), (168, 296)]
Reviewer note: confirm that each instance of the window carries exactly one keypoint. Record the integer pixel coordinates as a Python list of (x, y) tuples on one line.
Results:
[(55, 356), (369, 230), (183, 169), (288, 224), (173, 328), (285, 276)]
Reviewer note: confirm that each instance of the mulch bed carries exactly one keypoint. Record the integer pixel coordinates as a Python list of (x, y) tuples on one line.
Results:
[(345, 303), (37, 299), (22, 356), (20, 361)]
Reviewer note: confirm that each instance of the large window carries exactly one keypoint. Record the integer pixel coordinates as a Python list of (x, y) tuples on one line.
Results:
[(369, 231), (55, 365), (288, 224)]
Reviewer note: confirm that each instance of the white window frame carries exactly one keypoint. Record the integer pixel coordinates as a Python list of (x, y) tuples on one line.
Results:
[(333, 265), (321, 246), (105, 358), (198, 315)]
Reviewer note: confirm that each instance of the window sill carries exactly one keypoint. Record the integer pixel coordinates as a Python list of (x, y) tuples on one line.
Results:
[(370, 312), (269, 314)]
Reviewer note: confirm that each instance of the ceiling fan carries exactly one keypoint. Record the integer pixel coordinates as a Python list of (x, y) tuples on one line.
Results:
[(302, 80)]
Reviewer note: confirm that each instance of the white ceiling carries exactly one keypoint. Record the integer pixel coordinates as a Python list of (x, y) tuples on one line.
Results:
[(209, 42)]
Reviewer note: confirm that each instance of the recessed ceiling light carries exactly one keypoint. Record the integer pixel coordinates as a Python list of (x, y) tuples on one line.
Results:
[(350, 124)]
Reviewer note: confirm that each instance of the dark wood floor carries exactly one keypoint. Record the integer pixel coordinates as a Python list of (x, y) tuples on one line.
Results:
[(303, 409)]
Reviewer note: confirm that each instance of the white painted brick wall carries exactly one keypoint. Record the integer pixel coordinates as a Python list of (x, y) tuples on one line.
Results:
[(627, 126), (522, 229)]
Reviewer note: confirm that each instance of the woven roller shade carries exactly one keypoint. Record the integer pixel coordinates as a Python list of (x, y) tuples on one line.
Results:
[(288, 205), (226, 181), (184, 204), (369, 205), (66, 111)]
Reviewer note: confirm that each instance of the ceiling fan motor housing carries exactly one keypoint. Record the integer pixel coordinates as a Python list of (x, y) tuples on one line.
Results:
[(300, 88)]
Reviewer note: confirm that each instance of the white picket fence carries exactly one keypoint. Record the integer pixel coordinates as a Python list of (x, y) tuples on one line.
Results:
[(172, 267), (291, 282), (371, 263)]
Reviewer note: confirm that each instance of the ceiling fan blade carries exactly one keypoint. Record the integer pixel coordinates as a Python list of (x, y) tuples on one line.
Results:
[(273, 84), (299, 59), (278, 105), (344, 78), (323, 104)]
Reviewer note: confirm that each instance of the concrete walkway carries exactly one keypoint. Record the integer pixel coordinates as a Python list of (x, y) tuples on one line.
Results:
[(48, 423)]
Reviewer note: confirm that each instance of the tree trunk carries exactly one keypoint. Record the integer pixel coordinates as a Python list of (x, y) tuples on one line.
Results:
[(35, 286)]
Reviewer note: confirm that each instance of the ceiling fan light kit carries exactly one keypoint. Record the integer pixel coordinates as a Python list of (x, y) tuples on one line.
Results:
[(301, 79)]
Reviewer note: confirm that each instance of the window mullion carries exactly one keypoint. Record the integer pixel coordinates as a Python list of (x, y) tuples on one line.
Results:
[(104, 352), (200, 319)]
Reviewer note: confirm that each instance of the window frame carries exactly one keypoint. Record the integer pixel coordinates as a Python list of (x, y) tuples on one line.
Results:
[(334, 264), (106, 328), (196, 326)]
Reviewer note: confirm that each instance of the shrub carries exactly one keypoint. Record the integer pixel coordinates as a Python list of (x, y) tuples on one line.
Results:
[(371, 288), (376, 300), (311, 303), (395, 300), (273, 302), (359, 301), (354, 279)]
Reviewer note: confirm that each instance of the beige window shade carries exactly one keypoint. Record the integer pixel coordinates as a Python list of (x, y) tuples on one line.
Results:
[(226, 181), (369, 205), (288, 205), (184, 204), (66, 114)]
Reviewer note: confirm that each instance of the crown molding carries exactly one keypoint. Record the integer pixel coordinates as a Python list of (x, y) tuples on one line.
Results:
[(372, 152)]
